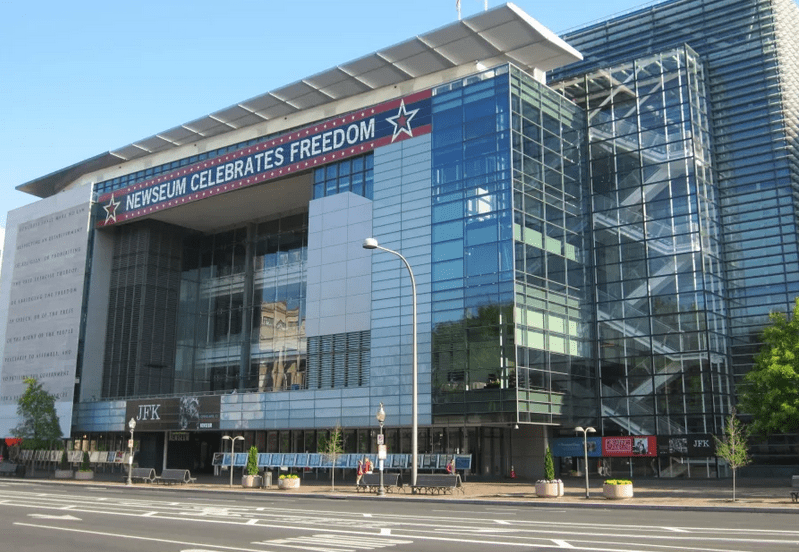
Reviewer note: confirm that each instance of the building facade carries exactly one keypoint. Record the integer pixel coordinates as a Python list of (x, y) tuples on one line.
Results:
[(721, 119), (575, 211)]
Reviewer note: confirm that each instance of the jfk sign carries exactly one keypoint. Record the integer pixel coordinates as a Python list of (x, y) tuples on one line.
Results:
[(175, 414)]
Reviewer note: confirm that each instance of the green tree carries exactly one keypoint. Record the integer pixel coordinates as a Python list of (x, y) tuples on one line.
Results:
[(332, 448), (549, 466), (39, 427), (733, 447), (252, 461), (64, 464), (770, 391), (84, 465)]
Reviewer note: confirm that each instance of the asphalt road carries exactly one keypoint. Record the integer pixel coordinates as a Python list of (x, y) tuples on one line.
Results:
[(40, 517)]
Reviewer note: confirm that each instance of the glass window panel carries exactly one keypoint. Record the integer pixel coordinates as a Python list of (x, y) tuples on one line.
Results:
[(482, 260), (448, 270), (447, 250)]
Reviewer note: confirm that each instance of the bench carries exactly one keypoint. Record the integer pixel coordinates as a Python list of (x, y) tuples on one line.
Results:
[(371, 482), (168, 477), (8, 469), (437, 483), (145, 475), (795, 488)]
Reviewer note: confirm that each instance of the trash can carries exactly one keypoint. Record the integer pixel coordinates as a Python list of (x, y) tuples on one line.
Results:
[(267, 479)]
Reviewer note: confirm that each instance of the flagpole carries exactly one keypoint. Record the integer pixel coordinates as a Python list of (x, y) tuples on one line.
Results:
[(458, 7)]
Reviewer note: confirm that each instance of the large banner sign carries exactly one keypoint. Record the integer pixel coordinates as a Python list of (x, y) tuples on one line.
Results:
[(565, 447), (318, 144), (644, 445), (184, 413), (691, 445)]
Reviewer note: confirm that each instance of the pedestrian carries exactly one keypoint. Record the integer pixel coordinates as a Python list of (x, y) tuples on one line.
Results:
[(450, 467), (367, 465), (359, 473)]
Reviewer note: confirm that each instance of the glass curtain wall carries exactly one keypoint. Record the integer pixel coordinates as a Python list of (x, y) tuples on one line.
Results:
[(473, 367), (551, 239), (659, 277), (748, 48), (242, 309)]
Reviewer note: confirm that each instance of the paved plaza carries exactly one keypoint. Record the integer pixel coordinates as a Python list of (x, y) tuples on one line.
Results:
[(759, 494)]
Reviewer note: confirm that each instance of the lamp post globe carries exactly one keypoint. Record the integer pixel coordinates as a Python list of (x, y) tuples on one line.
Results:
[(372, 243), (232, 446), (585, 432), (132, 426), (381, 417)]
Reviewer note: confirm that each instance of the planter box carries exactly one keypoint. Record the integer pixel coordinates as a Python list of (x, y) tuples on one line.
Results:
[(615, 492), (288, 483), (546, 489), (64, 474), (84, 475), (250, 481)]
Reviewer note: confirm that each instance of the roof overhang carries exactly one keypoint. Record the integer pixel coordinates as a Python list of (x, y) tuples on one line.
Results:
[(504, 34)]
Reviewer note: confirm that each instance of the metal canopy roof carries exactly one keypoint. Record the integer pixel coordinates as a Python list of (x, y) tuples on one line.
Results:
[(501, 35)]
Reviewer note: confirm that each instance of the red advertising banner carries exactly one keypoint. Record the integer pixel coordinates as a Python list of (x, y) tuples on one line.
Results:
[(645, 445)]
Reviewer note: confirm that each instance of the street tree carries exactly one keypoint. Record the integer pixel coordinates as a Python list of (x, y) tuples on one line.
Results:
[(770, 390), (332, 448), (733, 447), (39, 427)]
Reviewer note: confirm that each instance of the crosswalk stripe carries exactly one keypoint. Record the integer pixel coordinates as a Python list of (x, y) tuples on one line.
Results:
[(379, 541), (335, 543)]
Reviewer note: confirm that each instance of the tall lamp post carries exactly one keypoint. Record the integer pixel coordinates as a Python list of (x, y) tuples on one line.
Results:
[(585, 432), (232, 445), (132, 426), (371, 243), (381, 417)]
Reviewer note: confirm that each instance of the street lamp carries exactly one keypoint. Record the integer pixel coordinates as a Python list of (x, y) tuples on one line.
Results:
[(232, 445), (381, 417), (132, 426), (371, 243), (585, 432)]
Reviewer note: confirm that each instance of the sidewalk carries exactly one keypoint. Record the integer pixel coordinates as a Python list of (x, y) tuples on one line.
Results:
[(752, 494)]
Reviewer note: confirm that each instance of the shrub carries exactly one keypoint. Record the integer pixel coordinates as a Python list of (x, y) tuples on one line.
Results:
[(618, 482), (549, 466), (64, 464), (252, 462), (84, 465)]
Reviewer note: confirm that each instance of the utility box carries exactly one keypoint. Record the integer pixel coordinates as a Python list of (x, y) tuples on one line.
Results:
[(267, 479)]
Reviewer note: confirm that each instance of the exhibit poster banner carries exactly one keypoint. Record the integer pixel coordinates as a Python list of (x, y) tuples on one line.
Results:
[(42, 292), (630, 446), (565, 447)]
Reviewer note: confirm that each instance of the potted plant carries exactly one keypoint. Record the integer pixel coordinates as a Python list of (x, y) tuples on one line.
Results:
[(617, 488), (549, 487), (251, 478), (289, 481), (85, 472), (64, 471)]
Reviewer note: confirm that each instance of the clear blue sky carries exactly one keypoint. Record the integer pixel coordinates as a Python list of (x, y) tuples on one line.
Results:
[(80, 78)]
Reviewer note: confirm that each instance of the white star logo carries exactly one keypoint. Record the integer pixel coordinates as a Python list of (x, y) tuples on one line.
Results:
[(111, 210), (402, 121)]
